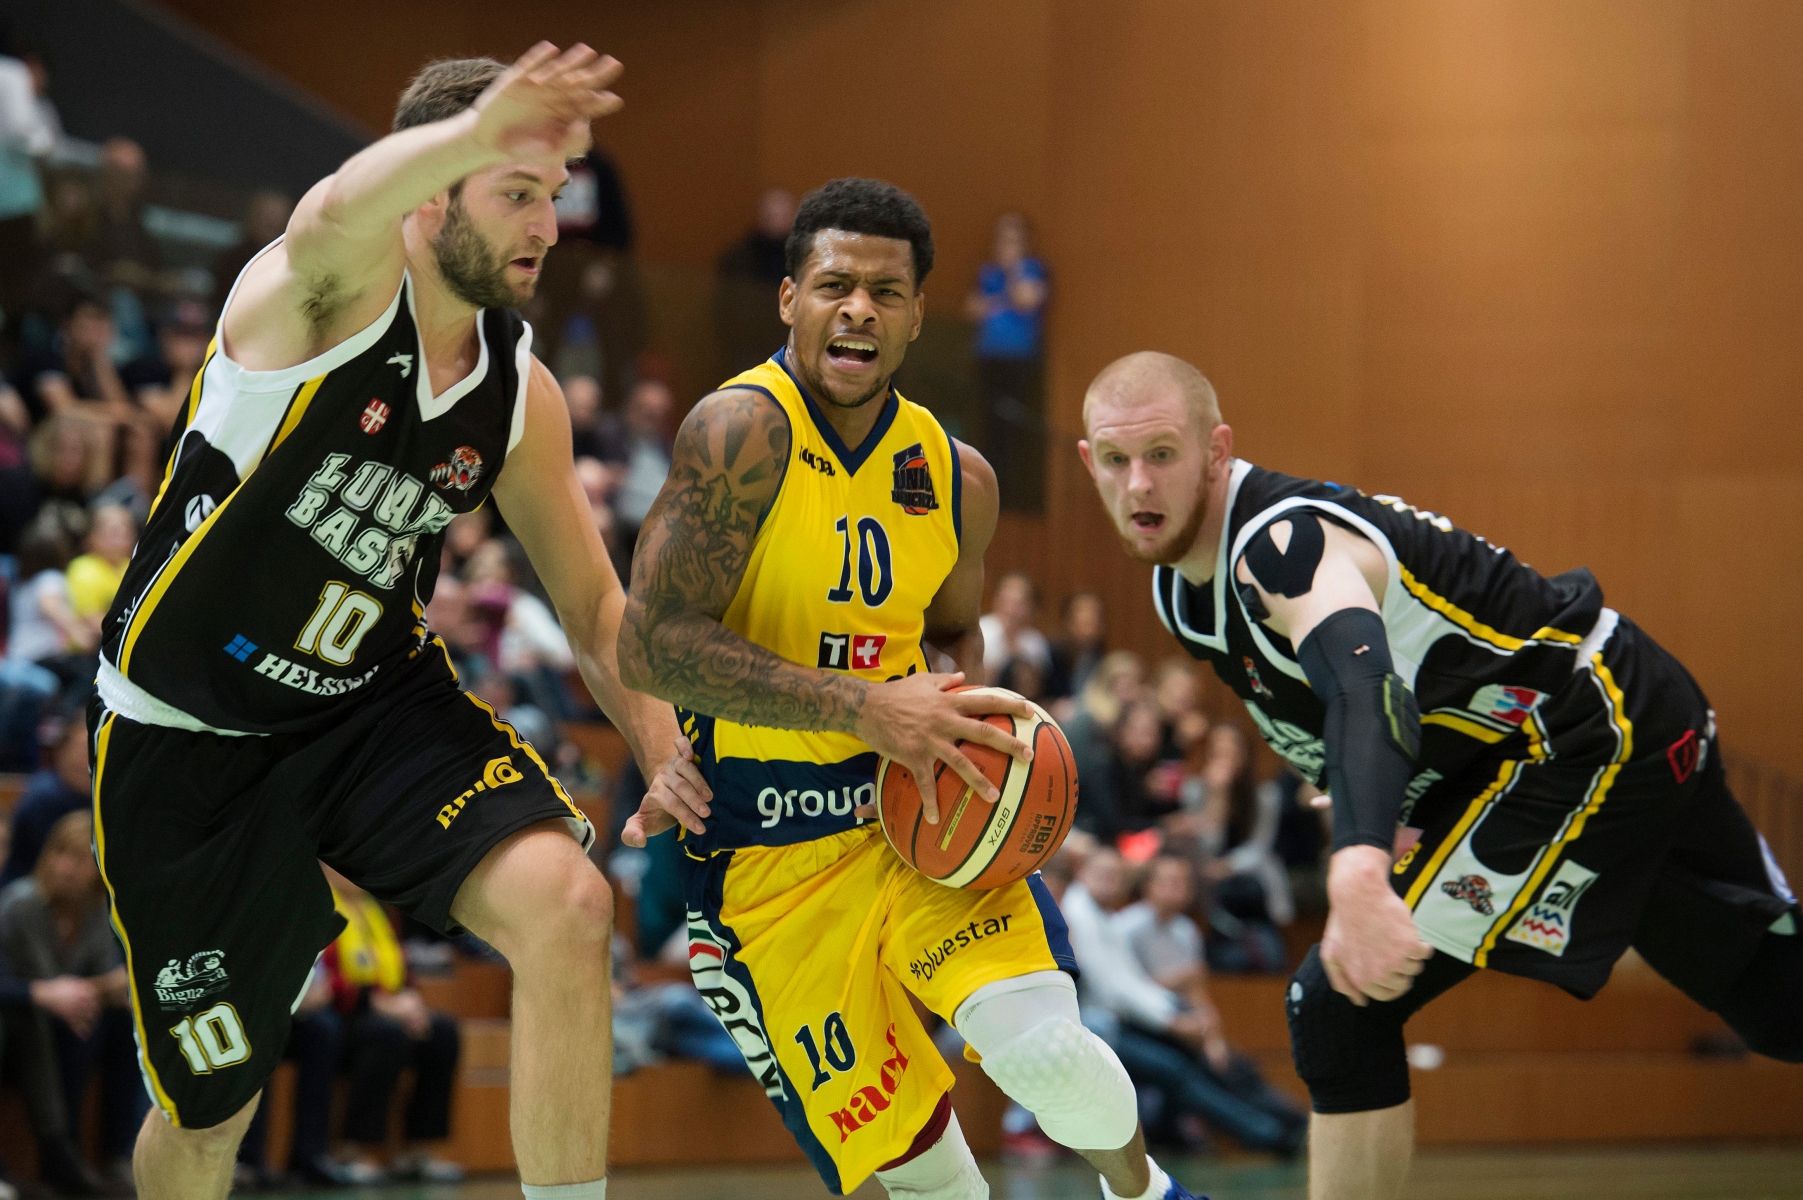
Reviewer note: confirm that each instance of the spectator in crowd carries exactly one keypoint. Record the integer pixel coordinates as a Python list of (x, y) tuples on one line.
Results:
[(592, 207), (749, 273), (17, 494), (649, 436), (1146, 784), (124, 253), (1081, 645), (1089, 727), (316, 1048), (1009, 636), (161, 383), (41, 629), (1177, 693), (1238, 825), (55, 930), (467, 533), (53, 792), (1168, 945), (265, 220), (68, 465), (387, 1028), (526, 644), (94, 576), (77, 373), (1162, 1039), (589, 435), (25, 136), (589, 316), (601, 483), (1008, 305)]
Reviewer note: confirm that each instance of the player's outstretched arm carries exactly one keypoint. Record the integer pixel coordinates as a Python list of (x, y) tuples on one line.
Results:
[(548, 511), (1320, 584), (957, 606), (342, 258), (730, 457)]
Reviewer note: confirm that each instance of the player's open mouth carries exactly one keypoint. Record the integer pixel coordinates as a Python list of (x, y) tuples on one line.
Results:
[(851, 352), (528, 265), (1147, 522)]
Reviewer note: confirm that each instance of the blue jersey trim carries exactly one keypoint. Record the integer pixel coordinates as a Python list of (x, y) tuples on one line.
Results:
[(851, 460), (957, 489), (1057, 933)]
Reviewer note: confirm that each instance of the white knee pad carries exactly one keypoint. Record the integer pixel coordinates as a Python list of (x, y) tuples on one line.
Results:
[(944, 1171), (1036, 1049)]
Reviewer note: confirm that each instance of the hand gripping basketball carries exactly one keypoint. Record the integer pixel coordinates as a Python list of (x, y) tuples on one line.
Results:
[(976, 844), (539, 109), (920, 720)]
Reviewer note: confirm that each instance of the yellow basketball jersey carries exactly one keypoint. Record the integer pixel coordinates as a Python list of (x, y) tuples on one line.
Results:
[(850, 554)]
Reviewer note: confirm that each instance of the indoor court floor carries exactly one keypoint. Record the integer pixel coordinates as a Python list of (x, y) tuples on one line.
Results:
[(1717, 1173)]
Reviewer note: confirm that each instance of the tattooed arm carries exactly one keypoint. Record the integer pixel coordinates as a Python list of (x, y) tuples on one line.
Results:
[(728, 463)]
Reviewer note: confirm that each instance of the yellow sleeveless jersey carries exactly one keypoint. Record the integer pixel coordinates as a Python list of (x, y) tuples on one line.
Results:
[(851, 552)]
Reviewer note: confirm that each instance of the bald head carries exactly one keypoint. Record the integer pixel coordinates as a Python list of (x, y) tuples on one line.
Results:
[(1150, 376)]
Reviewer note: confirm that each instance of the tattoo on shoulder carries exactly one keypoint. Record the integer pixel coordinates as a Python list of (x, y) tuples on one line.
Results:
[(726, 468)]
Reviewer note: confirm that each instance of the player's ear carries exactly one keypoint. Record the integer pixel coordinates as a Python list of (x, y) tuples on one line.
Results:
[(1083, 453), (785, 301), (920, 310), (1220, 446)]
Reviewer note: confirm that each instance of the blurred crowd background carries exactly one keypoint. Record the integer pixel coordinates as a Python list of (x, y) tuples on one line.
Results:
[(110, 291)]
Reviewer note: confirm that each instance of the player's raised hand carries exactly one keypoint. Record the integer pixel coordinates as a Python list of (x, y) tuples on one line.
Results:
[(919, 720), (539, 109), (677, 795), (1370, 949)]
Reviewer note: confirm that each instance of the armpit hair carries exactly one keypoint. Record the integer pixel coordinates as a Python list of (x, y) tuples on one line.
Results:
[(323, 299)]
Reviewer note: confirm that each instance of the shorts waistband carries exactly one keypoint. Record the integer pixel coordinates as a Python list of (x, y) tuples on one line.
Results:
[(133, 703)]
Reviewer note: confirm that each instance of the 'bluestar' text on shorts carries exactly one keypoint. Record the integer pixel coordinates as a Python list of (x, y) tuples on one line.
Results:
[(934, 956)]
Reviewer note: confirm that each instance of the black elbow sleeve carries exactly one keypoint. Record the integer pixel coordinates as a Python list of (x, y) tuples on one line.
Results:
[(1373, 730)]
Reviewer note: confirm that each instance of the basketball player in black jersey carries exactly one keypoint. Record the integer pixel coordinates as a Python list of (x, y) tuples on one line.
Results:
[(270, 694), (1520, 778)]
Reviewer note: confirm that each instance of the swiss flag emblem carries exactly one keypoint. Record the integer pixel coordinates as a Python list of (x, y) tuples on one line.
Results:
[(374, 416), (867, 651)]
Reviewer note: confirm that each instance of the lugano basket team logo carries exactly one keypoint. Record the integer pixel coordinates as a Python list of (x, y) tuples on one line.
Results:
[(913, 482), (461, 472)]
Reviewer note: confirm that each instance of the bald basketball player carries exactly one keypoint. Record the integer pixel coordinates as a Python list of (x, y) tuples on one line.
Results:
[(1521, 778)]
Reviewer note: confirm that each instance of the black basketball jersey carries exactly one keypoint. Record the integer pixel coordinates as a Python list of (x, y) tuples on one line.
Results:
[(1489, 646), (294, 544)]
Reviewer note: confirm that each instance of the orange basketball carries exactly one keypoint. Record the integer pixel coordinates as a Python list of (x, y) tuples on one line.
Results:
[(977, 844)]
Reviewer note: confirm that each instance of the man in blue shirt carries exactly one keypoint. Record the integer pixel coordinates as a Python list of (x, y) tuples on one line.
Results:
[(1008, 305)]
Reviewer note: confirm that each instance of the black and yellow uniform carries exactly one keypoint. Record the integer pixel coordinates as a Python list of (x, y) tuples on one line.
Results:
[(270, 695), (1568, 798), (806, 931)]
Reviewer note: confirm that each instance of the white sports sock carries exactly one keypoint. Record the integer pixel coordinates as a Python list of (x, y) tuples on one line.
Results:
[(595, 1189), (1160, 1185)]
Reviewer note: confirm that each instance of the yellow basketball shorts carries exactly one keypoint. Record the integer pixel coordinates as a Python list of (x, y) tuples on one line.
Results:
[(808, 953)]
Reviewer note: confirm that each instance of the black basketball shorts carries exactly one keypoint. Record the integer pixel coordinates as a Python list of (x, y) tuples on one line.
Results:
[(210, 848), (1550, 865)]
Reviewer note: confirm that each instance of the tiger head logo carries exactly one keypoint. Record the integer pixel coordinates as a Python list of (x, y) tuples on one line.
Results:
[(1473, 890), (461, 472)]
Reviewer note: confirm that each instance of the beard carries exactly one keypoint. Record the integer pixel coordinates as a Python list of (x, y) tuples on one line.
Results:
[(1174, 549), (817, 384), (472, 270)]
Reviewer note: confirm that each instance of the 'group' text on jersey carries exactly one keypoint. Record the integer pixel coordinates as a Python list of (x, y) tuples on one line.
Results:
[(853, 550), (294, 544)]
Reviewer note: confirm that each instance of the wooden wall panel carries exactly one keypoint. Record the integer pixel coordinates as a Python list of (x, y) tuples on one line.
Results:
[(1532, 263)]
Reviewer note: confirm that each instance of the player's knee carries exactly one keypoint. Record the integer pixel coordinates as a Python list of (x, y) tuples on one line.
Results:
[(567, 919), (1351, 1058), (1035, 1048)]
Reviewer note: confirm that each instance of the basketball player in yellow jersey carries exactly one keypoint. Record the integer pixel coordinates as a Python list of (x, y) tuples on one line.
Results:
[(816, 531)]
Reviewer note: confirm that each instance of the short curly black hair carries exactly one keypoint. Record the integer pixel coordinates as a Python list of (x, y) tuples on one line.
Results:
[(854, 205)]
